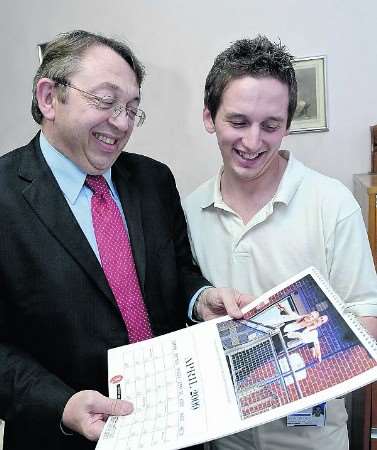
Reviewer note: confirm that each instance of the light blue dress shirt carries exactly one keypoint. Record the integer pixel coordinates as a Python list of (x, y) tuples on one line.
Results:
[(71, 179)]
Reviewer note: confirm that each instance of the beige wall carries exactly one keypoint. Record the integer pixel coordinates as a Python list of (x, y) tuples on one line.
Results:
[(177, 41)]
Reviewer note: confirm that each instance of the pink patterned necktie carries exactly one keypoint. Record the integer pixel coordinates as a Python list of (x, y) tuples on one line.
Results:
[(117, 260)]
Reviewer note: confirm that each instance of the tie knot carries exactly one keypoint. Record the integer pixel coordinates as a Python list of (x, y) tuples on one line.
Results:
[(97, 184)]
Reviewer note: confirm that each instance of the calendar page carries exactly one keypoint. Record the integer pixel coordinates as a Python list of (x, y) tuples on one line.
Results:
[(163, 378), (294, 348)]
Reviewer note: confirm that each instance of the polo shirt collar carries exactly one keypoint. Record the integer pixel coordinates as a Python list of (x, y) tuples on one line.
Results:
[(211, 192), (290, 182), (291, 179)]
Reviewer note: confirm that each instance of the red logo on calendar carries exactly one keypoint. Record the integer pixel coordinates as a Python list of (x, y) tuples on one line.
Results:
[(116, 379)]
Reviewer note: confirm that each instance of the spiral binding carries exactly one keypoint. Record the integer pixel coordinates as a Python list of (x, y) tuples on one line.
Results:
[(350, 317)]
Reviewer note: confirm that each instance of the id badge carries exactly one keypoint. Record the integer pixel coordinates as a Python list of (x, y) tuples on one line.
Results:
[(311, 417)]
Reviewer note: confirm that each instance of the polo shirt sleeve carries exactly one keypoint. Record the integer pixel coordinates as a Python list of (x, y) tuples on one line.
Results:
[(351, 269)]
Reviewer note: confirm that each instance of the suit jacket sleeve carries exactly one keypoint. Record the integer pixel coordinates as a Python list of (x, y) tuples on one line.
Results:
[(191, 278), (27, 387)]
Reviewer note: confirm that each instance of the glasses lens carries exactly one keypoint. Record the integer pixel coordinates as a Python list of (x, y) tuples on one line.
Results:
[(141, 117), (132, 113)]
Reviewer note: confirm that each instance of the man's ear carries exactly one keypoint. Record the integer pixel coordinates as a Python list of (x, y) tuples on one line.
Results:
[(46, 97), (208, 122)]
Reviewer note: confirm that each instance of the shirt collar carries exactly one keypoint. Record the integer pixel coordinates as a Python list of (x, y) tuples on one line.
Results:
[(68, 175), (291, 179), (289, 184), (211, 192)]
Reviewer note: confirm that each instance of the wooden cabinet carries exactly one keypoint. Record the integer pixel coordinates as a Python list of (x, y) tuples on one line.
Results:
[(365, 190), (373, 422)]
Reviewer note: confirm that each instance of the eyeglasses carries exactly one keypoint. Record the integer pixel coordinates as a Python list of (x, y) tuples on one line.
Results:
[(109, 103)]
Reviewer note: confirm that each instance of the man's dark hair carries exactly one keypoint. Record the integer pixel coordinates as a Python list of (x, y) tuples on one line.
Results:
[(62, 57), (258, 58)]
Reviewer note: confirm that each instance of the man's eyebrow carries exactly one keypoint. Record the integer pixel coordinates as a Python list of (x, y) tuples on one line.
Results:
[(107, 84), (235, 115), (114, 87), (275, 119)]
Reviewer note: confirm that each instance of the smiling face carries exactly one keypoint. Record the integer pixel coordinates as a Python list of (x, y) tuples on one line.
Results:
[(86, 134), (250, 125)]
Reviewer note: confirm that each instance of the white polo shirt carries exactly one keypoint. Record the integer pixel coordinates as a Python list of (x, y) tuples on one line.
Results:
[(312, 220)]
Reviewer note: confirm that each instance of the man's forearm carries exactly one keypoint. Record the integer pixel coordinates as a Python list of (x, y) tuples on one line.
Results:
[(370, 323)]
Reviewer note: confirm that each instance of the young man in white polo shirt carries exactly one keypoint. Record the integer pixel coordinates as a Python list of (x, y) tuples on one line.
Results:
[(265, 216)]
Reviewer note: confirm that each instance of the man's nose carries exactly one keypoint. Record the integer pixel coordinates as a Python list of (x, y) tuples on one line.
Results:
[(252, 138), (121, 121)]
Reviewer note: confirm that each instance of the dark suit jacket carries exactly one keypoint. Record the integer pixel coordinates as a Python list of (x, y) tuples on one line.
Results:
[(58, 316)]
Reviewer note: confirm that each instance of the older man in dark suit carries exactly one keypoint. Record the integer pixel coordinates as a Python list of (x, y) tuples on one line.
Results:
[(93, 245)]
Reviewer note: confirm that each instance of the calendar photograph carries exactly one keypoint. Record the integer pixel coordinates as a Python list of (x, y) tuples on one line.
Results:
[(295, 346)]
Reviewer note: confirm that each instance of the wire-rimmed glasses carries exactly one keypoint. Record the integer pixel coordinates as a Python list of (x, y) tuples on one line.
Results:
[(108, 103)]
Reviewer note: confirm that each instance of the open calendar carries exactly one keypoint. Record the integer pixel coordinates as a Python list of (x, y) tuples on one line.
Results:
[(295, 348)]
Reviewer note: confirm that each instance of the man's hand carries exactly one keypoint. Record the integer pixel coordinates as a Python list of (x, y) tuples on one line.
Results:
[(217, 302), (86, 412), (370, 323)]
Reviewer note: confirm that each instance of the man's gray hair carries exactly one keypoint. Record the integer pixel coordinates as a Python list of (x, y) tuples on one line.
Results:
[(62, 57)]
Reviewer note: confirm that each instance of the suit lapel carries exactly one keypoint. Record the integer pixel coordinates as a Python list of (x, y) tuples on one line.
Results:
[(130, 200), (48, 203)]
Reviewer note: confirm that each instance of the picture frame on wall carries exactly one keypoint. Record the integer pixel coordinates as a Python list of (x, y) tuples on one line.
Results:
[(41, 49), (311, 111)]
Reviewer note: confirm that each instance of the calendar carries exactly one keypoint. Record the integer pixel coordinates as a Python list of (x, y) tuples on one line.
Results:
[(294, 348)]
